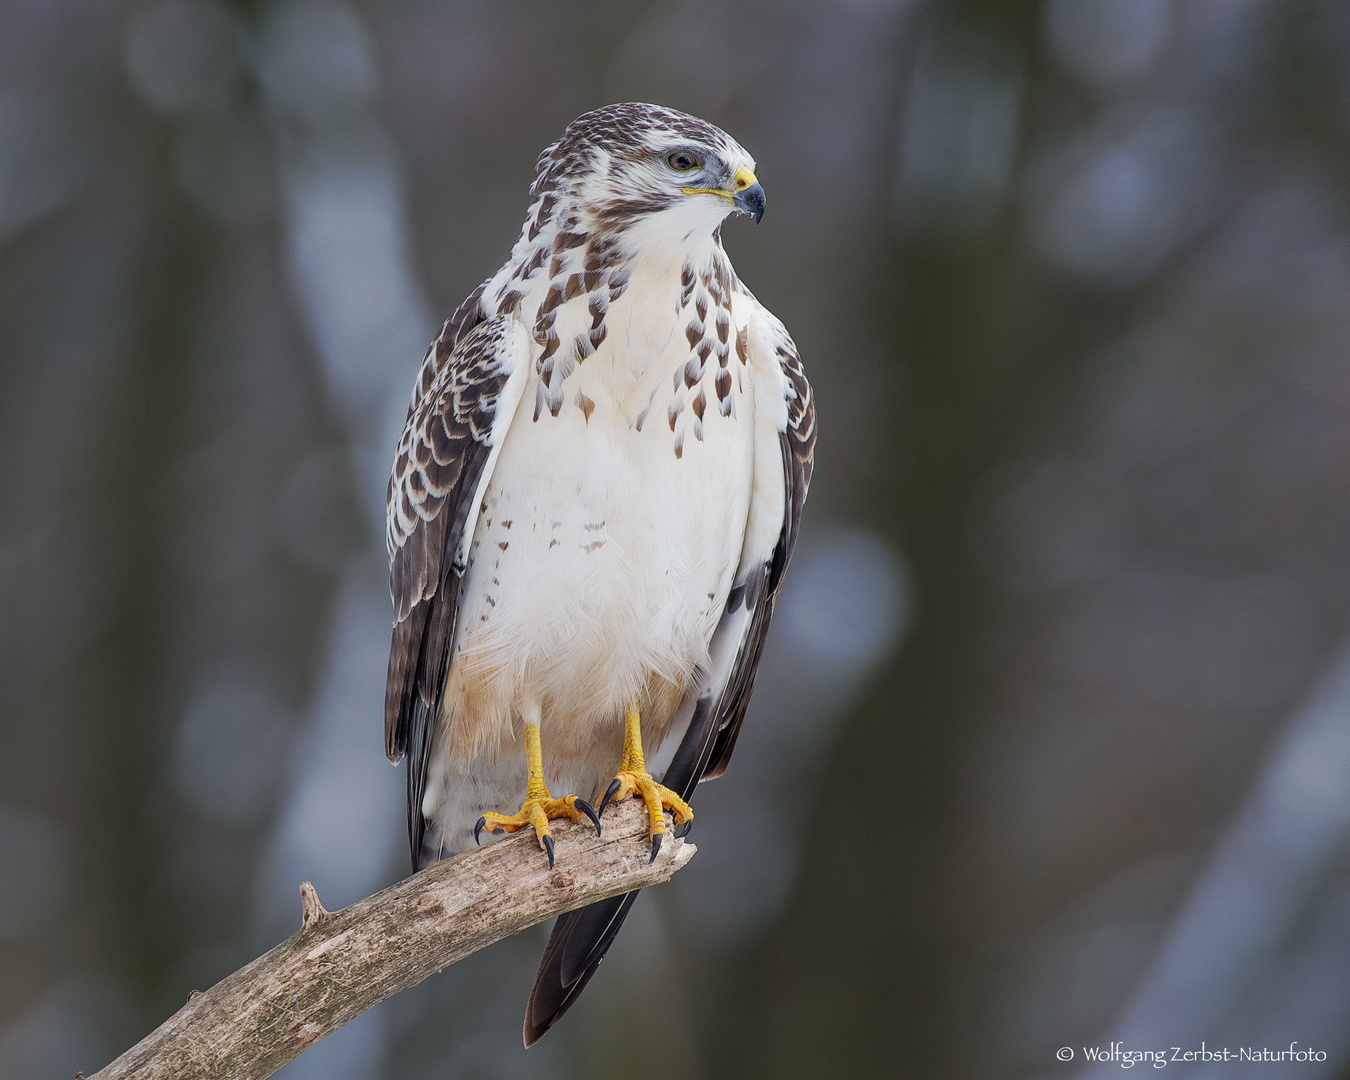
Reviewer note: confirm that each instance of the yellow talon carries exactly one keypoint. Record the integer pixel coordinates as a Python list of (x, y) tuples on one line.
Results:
[(540, 807), (633, 778)]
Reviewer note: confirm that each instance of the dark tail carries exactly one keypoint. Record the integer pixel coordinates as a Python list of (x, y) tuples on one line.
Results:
[(581, 938), (578, 943)]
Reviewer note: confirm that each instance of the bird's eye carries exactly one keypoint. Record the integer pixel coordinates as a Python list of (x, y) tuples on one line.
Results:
[(682, 161)]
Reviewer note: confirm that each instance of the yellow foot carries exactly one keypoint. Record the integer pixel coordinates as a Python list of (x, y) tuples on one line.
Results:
[(633, 777), (539, 811), (658, 798)]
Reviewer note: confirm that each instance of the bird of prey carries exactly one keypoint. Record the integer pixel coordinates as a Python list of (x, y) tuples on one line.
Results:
[(593, 504)]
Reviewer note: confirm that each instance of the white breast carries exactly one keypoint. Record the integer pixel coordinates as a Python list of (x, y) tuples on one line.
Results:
[(606, 545)]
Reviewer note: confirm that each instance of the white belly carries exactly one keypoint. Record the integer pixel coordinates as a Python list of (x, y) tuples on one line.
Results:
[(608, 540), (599, 568)]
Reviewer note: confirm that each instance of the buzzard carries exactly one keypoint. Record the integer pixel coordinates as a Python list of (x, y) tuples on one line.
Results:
[(593, 504)]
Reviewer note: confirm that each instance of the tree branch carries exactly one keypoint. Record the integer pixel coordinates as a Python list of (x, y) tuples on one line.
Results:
[(339, 964)]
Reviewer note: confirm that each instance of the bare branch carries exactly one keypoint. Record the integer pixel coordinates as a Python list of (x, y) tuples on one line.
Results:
[(312, 911), (339, 964)]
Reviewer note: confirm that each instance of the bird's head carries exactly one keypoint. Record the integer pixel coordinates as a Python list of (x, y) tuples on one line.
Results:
[(644, 167)]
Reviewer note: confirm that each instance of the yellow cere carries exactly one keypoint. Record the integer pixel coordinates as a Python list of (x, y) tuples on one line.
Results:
[(743, 179)]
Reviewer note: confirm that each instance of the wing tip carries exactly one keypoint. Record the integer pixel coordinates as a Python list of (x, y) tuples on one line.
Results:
[(535, 1031), (578, 943), (547, 1008), (541, 1014)]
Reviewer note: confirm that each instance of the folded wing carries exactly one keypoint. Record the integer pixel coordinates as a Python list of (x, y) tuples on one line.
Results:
[(466, 395)]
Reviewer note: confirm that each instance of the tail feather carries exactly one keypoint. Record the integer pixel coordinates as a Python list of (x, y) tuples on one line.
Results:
[(581, 938), (578, 943)]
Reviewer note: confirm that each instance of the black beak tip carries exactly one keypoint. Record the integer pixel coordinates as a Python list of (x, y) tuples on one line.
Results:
[(751, 201)]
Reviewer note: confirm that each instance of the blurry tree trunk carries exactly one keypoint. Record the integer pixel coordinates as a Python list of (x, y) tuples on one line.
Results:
[(338, 965)]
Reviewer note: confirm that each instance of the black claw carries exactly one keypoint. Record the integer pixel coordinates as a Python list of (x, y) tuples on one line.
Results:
[(682, 829), (477, 830), (614, 787), (656, 847), (548, 846), (589, 810)]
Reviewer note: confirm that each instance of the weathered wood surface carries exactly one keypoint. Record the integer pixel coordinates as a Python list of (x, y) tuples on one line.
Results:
[(339, 964)]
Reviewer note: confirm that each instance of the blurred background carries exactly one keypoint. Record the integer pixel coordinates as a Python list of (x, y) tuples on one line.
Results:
[(1051, 745)]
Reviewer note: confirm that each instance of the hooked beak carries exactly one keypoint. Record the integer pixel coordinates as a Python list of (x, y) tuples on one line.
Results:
[(746, 194), (749, 197)]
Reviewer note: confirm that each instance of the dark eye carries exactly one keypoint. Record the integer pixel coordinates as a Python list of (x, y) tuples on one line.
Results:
[(682, 161)]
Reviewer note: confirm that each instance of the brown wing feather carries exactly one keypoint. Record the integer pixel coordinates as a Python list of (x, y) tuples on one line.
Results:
[(580, 939), (798, 442), (445, 446)]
